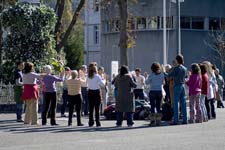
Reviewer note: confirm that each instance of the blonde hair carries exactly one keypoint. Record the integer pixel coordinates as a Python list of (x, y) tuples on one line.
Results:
[(74, 74), (209, 68)]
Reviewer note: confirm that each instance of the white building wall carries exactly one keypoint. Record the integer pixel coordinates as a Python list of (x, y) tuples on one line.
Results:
[(92, 19)]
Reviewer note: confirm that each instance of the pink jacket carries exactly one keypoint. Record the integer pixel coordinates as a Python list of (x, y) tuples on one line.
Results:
[(195, 84)]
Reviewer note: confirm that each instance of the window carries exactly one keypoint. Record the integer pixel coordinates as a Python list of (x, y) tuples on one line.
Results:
[(197, 23), (153, 23), (185, 22), (96, 5), (169, 22), (222, 24), (141, 23), (131, 24), (96, 34), (214, 23)]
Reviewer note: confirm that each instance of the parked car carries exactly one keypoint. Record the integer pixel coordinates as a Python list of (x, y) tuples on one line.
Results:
[(142, 111)]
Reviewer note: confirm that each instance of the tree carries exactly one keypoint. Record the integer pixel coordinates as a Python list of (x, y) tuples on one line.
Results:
[(217, 44), (28, 35), (74, 47), (126, 39)]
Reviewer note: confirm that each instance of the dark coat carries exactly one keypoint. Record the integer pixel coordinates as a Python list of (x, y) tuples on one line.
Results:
[(124, 97)]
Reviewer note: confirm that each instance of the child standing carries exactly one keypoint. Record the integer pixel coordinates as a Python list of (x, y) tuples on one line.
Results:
[(195, 83)]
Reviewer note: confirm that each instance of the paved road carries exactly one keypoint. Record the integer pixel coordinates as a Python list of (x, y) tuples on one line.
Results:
[(205, 136)]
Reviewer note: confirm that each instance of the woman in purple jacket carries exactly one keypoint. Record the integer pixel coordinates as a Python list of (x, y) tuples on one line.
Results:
[(50, 94)]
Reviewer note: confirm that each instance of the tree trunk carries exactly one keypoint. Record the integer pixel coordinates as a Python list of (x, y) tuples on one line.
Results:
[(60, 45), (123, 32), (59, 10)]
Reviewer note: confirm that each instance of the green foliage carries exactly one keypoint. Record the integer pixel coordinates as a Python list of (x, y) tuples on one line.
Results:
[(74, 47), (57, 65), (28, 35)]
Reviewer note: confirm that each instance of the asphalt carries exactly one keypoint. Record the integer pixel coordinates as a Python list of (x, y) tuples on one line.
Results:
[(204, 136)]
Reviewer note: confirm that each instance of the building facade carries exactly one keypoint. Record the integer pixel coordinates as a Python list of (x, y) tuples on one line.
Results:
[(92, 31), (198, 18)]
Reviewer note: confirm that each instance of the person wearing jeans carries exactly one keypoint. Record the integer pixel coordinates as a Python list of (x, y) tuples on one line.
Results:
[(18, 90), (156, 80), (178, 74)]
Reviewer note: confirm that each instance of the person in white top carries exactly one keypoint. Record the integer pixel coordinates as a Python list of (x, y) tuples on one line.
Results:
[(103, 89), (140, 80), (95, 82)]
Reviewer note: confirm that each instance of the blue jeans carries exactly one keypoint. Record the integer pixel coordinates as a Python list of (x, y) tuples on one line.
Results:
[(155, 100), (85, 103), (129, 118), (65, 101), (19, 110), (179, 97)]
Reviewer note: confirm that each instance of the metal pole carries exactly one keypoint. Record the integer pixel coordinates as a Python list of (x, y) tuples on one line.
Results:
[(178, 28), (164, 34)]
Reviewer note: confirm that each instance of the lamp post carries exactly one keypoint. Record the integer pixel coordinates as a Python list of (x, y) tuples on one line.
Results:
[(164, 34), (178, 28)]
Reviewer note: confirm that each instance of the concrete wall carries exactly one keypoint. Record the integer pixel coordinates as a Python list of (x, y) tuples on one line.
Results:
[(149, 43)]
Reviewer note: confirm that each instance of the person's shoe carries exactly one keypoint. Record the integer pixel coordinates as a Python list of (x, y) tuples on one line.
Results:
[(19, 120), (118, 126), (44, 124), (80, 124), (91, 124), (54, 124), (69, 124), (152, 123)]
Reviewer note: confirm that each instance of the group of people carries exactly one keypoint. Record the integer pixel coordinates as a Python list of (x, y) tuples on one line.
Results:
[(173, 85), (85, 89), (79, 90)]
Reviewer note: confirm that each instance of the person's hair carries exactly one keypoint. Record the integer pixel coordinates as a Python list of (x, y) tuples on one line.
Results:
[(18, 63), (156, 68), (83, 67), (29, 67), (137, 69), (124, 70), (195, 69), (203, 68), (67, 69), (208, 67), (47, 69), (167, 67), (74, 74), (180, 59), (92, 70), (101, 68)]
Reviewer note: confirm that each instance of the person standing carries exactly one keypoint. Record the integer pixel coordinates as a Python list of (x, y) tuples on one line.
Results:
[(84, 90), (204, 91), (156, 81), (18, 90), (140, 80), (65, 92), (50, 95), (103, 89), (178, 74), (195, 84), (30, 94), (210, 100), (74, 96), (95, 82), (125, 103), (220, 82)]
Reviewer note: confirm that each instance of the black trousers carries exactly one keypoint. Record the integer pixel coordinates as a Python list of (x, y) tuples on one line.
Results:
[(209, 104), (94, 98), (74, 100), (49, 102)]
